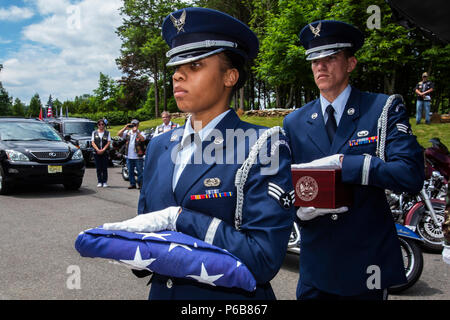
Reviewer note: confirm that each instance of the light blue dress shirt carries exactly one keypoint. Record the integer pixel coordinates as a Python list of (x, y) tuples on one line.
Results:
[(186, 152), (338, 104)]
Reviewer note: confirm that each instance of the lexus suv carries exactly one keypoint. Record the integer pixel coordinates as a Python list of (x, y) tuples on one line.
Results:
[(32, 151)]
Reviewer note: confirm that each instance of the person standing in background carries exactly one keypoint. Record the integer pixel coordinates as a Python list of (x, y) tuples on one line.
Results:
[(134, 150), (423, 90), (167, 124), (101, 139)]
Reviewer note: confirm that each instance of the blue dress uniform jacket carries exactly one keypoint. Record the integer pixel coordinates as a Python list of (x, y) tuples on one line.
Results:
[(336, 254), (261, 241)]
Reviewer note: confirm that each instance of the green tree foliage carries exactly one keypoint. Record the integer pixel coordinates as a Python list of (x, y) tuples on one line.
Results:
[(18, 108), (5, 100), (35, 106), (391, 60), (143, 49)]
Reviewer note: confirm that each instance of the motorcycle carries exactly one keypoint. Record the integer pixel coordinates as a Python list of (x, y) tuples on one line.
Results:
[(437, 158), (412, 257), (121, 160), (424, 212), (410, 248)]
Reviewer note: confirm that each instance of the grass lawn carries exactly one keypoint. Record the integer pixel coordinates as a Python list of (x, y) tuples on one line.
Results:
[(422, 131)]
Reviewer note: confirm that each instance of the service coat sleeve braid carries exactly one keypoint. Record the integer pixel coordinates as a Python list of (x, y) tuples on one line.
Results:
[(402, 169), (261, 240)]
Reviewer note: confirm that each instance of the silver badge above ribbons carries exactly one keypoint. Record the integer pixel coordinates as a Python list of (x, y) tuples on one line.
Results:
[(211, 182), (363, 133)]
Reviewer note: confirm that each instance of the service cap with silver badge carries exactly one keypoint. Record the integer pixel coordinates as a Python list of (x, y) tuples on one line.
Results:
[(326, 37), (196, 33)]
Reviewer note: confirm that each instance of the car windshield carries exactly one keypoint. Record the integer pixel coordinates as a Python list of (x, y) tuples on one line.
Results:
[(27, 131), (82, 128)]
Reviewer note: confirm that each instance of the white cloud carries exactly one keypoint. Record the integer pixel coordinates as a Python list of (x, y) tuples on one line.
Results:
[(4, 41), (14, 13), (66, 51)]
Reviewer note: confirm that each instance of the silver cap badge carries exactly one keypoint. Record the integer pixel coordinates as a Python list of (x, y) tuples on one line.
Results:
[(179, 23), (316, 30)]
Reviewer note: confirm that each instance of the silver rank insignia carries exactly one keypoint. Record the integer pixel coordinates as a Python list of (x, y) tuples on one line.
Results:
[(211, 182), (285, 199), (402, 128), (316, 30), (179, 23)]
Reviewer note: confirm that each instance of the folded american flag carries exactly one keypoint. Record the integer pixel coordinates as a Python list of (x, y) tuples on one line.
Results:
[(167, 253)]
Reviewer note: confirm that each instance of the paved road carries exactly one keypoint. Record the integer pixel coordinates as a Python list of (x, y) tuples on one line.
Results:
[(38, 260)]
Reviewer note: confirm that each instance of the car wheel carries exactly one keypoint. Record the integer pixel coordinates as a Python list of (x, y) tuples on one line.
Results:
[(4, 186), (73, 185)]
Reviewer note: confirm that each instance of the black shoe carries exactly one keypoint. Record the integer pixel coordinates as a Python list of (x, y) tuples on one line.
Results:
[(132, 187)]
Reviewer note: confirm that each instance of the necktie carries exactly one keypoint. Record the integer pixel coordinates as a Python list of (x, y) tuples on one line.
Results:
[(184, 156), (331, 123)]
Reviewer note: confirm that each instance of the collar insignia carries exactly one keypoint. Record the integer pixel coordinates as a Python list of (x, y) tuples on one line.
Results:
[(218, 140), (179, 23)]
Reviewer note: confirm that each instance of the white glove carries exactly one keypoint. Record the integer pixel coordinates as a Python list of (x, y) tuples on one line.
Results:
[(326, 162), (165, 219), (446, 254), (308, 213)]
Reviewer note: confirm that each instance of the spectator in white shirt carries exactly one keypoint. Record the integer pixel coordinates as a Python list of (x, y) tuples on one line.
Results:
[(134, 151)]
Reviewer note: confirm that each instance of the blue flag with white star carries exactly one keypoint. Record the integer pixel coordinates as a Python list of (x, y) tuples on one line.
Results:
[(167, 253)]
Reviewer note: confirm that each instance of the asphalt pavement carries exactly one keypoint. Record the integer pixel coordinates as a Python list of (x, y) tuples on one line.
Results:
[(39, 225)]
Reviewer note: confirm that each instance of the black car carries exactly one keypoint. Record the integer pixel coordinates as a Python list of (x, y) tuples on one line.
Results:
[(78, 131), (31, 151)]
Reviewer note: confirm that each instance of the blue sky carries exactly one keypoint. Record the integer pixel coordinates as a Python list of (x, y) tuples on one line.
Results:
[(57, 47), (12, 24)]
